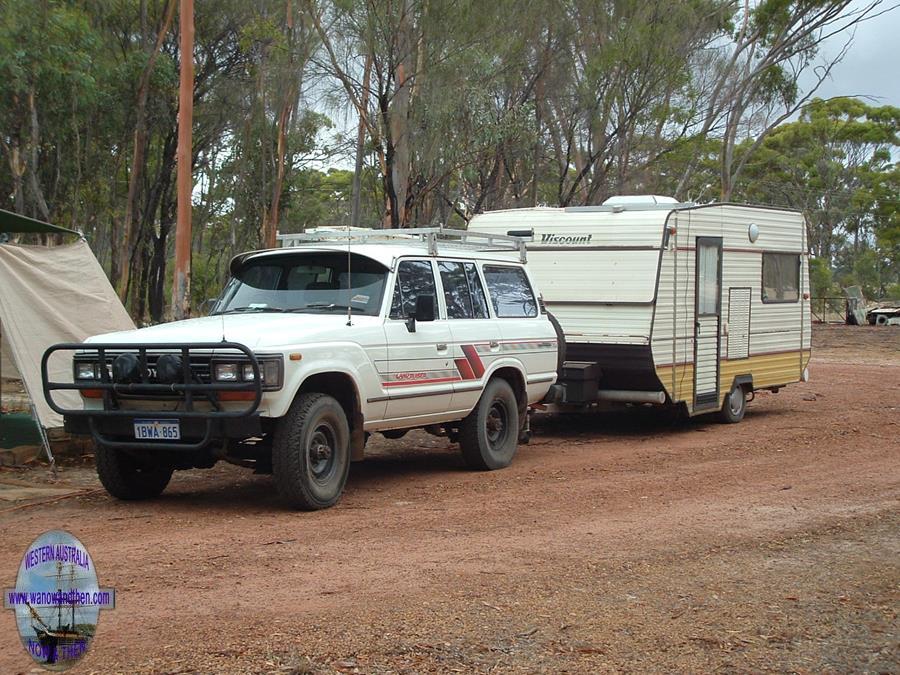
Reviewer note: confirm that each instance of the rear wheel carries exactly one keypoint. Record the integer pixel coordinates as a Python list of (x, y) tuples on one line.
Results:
[(734, 406), (488, 436), (131, 477), (311, 452)]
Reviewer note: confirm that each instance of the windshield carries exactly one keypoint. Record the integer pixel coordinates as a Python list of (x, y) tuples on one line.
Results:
[(305, 282)]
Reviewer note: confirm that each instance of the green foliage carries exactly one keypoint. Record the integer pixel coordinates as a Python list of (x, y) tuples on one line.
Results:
[(835, 164), (821, 279), (472, 106)]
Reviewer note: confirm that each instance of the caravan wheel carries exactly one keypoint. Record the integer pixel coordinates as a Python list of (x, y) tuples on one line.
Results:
[(734, 406)]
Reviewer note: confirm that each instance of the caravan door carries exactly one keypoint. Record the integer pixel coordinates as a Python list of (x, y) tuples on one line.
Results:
[(707, 322)]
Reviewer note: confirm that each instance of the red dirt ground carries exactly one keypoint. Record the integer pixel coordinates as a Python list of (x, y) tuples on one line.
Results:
[(613, 543)]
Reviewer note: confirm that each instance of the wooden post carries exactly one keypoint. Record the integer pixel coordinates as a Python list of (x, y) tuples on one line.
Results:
[(181, 289)]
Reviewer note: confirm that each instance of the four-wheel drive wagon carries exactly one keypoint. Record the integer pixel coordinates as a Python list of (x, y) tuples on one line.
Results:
[(312, 347)]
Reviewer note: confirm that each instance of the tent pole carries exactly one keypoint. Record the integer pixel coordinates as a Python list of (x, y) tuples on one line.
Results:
[(45, 440)]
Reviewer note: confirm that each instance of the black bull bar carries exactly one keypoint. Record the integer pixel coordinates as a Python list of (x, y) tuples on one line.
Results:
[(188, 389)]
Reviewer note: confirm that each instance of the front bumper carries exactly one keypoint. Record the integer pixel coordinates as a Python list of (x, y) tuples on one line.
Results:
[(198, 433), (201, 426)]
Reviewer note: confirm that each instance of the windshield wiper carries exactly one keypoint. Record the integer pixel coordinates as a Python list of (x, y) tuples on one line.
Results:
[(320, 305), (239, 310)]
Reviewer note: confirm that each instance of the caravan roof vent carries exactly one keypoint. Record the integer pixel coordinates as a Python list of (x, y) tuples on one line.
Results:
[(635, 200)]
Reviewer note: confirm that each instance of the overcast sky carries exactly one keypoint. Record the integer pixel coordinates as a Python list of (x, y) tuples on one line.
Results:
[(872, 66)]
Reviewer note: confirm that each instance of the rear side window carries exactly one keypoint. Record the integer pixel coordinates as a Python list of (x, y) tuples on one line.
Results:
[(780, 277), (510, 292), (414, 278), (463, 293)]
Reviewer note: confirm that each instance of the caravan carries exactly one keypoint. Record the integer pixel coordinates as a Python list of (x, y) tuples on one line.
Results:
[(670, 303)]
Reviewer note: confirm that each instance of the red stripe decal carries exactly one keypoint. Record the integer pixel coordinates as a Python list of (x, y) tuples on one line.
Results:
[(465, 369), (474, 360), (412, 383)]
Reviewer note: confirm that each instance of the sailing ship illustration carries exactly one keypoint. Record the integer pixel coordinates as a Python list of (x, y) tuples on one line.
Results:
[(63, 641)]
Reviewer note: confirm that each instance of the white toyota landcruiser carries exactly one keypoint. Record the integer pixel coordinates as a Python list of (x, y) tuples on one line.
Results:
[(312, 347)]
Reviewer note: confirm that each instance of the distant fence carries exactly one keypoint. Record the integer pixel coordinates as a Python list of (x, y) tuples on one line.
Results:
[(828, 310)]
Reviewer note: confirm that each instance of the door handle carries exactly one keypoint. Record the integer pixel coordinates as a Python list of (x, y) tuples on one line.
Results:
[(495, 345), (442, 346)]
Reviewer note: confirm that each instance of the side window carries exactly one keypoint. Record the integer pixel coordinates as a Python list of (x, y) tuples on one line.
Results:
[(263, 277), (780, 277), (414, 278), (510, 292), (463, 293), (479, 301)]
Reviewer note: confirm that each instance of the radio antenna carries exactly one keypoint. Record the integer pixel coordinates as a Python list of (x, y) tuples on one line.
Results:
[(349, 282)]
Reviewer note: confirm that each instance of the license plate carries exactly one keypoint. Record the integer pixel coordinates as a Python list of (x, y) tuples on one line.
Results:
[(157, 430)]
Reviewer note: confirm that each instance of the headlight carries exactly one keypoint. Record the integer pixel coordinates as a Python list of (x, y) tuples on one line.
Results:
[(227, 372), (86, 370), (269, 372)]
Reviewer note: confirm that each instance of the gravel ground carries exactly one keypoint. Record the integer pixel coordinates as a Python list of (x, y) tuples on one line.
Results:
[(613, 543)]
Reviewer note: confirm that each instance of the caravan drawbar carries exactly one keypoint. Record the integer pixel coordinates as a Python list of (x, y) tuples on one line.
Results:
[(670, 303)]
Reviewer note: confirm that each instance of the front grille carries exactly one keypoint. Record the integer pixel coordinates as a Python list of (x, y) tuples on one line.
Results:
[(200, 372), (141, 381)]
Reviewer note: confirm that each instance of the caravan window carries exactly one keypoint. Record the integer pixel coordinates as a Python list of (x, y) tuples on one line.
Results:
[(708, 277), (780, 277)]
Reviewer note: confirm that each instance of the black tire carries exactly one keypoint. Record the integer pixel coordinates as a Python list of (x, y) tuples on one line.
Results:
[(734, 406), (881, 319), (311, 452), (488, 437), (129, 477), (561, 344), (394, 434)]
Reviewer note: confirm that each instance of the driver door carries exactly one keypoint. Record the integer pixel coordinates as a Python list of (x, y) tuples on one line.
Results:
[(421, 371)]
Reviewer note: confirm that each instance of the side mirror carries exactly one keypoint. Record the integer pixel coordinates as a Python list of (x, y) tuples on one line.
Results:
[(424, 312), (425, 308)]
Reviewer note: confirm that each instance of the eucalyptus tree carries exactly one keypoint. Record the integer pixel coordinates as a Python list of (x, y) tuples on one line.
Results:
[(750, 81), (627, 81), (50, 81), (835, 163)]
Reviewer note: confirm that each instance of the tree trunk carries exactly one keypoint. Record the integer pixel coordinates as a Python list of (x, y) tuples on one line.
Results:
[(126, 252), (360, 144), (33, 182), (399, 119), (157, 290)]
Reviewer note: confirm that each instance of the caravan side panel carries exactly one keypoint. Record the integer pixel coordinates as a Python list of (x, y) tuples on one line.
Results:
[(766, 341)]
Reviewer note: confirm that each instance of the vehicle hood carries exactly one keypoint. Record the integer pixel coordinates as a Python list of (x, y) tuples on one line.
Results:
[(256, 331)]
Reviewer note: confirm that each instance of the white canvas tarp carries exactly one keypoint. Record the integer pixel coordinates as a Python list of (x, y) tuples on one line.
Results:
[(8, 370), (51, 295)]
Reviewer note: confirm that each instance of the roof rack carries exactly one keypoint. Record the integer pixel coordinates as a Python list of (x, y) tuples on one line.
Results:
[(432, 237)]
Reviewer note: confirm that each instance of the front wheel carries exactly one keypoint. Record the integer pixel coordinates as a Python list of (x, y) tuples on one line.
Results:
[(131, 477), (488, 436), (311, 452), (734, 406)]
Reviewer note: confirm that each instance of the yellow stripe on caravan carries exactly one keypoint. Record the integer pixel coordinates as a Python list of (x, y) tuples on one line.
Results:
[(684, 381), (767, 370)]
